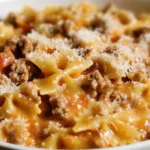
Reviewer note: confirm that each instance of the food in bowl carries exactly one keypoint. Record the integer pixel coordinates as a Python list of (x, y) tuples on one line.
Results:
[(74, 76)]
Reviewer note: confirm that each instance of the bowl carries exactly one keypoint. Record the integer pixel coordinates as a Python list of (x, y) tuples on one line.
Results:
[(136, 6)]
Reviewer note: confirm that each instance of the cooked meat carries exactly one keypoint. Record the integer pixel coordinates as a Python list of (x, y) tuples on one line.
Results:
[(30, 90), (12, 19), (11, 44), (110, 49), (98, 24), (1, 48), (25, 45), (119, 97), (20, 21), (20, 46), (15, 130), (58, 106), (95, 84), (138, 32), (22, 70)]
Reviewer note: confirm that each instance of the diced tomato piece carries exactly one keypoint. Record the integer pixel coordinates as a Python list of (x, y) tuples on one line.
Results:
[(6, 59)]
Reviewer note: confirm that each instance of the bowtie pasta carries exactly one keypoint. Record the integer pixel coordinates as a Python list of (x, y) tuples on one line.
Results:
[(75, 76)]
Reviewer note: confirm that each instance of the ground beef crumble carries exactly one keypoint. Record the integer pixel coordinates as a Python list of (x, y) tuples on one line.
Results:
[(99, 66), (19, 46), (22, 70), (30, 90), (58, 107), (95, 84)]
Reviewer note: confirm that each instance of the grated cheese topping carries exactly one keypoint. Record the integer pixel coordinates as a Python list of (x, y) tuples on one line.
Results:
[(79, 78)]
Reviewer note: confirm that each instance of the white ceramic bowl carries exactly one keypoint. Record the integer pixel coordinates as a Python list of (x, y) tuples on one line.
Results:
[(16, 5)]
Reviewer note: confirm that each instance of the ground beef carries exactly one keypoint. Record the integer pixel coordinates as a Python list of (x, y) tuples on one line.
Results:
[(21, 21), (119, 97), (96, 85), (15, 130), (61, 111), (22, 70), (20, 46), (30, 90), (98, 24), (59, 30), (12, 19), (138, 32), (58, 107), (1, 48), (110, 49)]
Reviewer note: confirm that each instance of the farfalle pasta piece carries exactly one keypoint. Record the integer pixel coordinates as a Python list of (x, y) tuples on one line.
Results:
[(66, 61), (6, 31), (18, 105), (87, 82)]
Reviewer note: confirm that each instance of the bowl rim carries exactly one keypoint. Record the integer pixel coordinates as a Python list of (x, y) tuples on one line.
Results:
[(137, 146), (134, 146)]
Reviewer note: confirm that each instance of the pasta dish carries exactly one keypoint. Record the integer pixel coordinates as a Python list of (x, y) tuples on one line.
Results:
[(75, 76)]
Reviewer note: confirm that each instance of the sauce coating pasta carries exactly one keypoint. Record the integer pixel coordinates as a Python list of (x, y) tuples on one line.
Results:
[(75, 76)]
